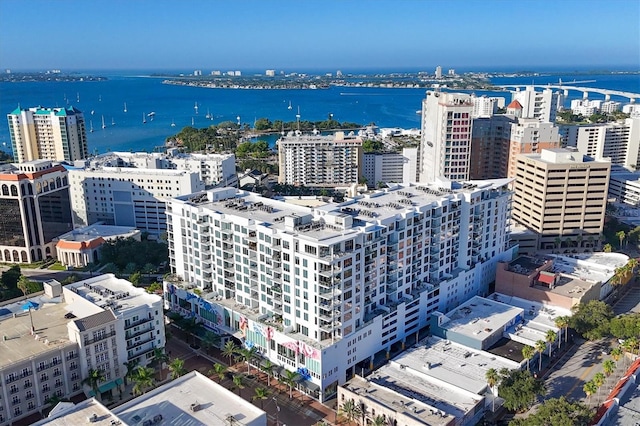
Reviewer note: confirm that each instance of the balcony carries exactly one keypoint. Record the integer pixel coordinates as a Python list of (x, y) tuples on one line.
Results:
[(140, 332), (140, 342), (101, 337), (134, 324)]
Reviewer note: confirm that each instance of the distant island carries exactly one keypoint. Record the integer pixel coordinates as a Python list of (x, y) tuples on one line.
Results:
[(47, 76)]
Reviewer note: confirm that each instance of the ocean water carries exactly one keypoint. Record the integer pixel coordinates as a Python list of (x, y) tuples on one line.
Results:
[(175, 104)]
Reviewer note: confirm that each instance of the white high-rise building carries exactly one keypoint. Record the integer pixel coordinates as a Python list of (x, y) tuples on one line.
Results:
[(38, 133), (445, 145), (127, 196), (543, 106), (438, 72), (320, 289), (316, 160), (484, 106), (585, 107)]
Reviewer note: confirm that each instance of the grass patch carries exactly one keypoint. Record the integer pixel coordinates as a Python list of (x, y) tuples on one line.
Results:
[(57, 267)]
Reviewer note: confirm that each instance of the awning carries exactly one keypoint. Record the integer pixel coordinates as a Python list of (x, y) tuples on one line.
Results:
[(107, 386), (310, 386), (547, 279)]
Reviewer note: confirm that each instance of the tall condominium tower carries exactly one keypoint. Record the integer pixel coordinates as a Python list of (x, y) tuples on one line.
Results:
[(320, 290), (35, 208), (542, 106), (445, 146), (561, 195), (47, 134), (315, 160)]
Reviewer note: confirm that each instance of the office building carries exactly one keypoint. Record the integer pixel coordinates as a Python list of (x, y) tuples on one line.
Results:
[(53, 340), (35, 208), (618, 141), (316, 160), (127, 196), (39, 133), (445, 144), (561, 195), (542, 106), (320, 289), (529, 136), (383, 167)]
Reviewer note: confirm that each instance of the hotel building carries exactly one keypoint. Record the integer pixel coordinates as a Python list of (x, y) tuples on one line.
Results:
[(561, 195), (39, 133), (320, 289), (315, 160), (35, 208)]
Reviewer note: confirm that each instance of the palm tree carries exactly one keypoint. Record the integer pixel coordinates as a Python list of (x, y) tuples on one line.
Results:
[(247, 355), (527, 353), (93, 379), (210, 340), (550, 337), (598, 380), (492, 379), (143, 378), (379, 421), (608, 367), (558, 242), (218, 370), (349, 410), (131, 368), (261, 394), (621, 236), (632, 264), (238, 383), (540, 347), (23, 285), (230, 350), (561, 322), (290, 378), (589, 389), (159, 358), (616, 354), (630, 345), (267, 368), (177, 368), (607, 248)]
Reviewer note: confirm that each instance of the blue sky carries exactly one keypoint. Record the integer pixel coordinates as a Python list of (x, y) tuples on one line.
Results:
[(310, 34)]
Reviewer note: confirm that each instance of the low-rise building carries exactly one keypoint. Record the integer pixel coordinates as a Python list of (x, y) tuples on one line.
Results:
[(81, 246)]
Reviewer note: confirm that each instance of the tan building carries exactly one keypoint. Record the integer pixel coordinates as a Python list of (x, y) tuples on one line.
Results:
[(315, 160), (528, 136), (561, 195), (39, 133)]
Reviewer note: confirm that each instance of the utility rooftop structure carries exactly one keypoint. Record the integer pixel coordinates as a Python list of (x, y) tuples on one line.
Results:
[(307, 284)]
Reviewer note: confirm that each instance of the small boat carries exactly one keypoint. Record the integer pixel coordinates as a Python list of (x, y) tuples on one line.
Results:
[(125, 107), (419, 111), (192, 121), (92, 112), (91, 128), (151, 114), (104, 126), (172, 123), (144, 118), (208, 114), (99, 98), (289, 107), (196, 107), (78, 97), (113, 121)]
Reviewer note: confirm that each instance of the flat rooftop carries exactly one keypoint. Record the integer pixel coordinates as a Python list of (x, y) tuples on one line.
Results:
[(107, 290), (213, 405), (403, 396), (479, 317), (50, 328), (592, 267), (454, 364), (526, 265), (92, 232), (69, 414)]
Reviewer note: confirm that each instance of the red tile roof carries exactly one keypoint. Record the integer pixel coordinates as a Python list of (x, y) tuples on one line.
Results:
[(514, 105)]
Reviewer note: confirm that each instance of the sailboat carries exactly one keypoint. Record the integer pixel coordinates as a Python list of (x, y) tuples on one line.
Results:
[(78, 97), (125, 107), (172, 123), (91, 128), (103, 125), (99, 98), (208, 114), (196, 107), (144, 118), (289, 107), (192, 121), (113, 121)]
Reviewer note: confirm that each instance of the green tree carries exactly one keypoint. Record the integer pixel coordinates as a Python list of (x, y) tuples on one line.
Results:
[(557, 412), (608, 248), (625, 326), (93, 380), (527, 353), (609, 366), (599, 380), (248, 355), (131, 369), (541, 345), (143, 379), (219, 371), (159, 358), (238, 383), (550, 337), (616, 354), (379, 421), (591, 319), (290, 378), (154, 288), (210, 340), (176, 367), (24, 284), (562, 322), (230, 350), (349, 410), (10, 277), (261, 394), (519, 389), (372, 146), (589, 389), (135, 278), (621, 236), (492, 378), (267, 367)]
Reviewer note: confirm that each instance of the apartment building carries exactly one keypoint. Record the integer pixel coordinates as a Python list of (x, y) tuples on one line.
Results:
[(51, 341), (127, 196), (213, 169), (320, 290), (542, 106), (619, 141), (40, 133), (383, 167), (445, 145), (316, 160), (528, 135), (35, 208), (561, 195)]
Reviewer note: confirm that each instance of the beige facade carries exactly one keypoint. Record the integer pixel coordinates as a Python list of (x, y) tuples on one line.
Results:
[(561, 195), (314, 160), (38, 133), (529, 136)]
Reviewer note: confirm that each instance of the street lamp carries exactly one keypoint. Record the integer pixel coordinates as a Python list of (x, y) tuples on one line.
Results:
[(277, 409)]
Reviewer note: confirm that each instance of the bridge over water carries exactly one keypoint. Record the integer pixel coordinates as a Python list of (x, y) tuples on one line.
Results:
[(585, 90)]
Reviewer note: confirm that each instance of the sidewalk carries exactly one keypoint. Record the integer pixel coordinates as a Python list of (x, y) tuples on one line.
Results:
[(300, 410)]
